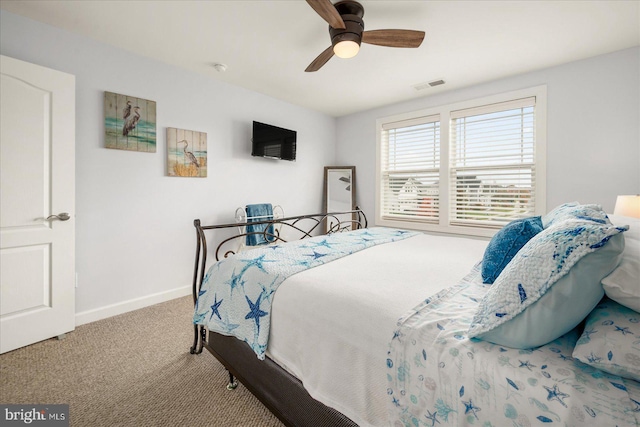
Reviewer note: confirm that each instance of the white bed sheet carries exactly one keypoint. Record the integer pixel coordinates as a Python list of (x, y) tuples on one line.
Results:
[(331, 325)]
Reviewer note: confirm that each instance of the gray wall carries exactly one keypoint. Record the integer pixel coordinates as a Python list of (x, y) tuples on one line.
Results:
[(593, 129), (135, 237)]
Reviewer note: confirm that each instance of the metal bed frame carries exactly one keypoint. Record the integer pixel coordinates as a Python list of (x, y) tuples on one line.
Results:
[(282, 393)]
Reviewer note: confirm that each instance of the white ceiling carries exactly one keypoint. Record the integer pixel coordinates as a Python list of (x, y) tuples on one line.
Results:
[(266, 45)]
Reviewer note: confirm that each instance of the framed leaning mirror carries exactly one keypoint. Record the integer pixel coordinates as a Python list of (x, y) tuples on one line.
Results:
[(339, 193)]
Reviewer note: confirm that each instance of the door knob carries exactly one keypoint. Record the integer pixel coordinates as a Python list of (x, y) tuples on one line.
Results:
[(64, 216)]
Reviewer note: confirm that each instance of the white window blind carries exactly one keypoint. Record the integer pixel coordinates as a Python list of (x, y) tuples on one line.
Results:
[(492, 164), (409, 170)]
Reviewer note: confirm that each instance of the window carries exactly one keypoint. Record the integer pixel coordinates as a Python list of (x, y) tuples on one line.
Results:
[(411, 169), (466, 168)]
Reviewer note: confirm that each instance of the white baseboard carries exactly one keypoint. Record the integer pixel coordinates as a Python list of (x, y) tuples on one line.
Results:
[(130, 305)]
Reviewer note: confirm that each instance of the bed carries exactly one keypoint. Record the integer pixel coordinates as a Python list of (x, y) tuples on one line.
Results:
[(376, 329)]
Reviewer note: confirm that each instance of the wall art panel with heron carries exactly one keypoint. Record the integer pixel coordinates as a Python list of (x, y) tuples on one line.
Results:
[(186, 153), (129, 123)]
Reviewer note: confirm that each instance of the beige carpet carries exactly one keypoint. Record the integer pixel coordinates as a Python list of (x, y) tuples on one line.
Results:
[(131, 370)]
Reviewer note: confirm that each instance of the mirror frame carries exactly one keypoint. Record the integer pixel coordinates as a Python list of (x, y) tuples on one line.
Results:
[(325, 200)]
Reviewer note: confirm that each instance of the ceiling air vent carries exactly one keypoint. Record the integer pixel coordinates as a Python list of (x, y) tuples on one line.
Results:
[(423, 86)]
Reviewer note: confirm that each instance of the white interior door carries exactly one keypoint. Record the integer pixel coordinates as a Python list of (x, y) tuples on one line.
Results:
[(37, 180)]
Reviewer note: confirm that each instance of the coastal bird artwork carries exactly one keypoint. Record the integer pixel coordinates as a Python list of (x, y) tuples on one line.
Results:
[(188, 154), (126, 112), (130, 121)]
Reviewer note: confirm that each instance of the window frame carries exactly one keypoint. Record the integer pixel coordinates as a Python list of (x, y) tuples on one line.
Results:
[(444, 112), (400, 161)]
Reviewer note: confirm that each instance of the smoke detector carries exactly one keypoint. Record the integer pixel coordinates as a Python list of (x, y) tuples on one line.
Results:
[(221, 68)]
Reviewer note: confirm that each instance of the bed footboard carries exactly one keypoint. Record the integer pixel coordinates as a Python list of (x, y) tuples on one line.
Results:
[(282, 393), (275, 230), (279, 391)]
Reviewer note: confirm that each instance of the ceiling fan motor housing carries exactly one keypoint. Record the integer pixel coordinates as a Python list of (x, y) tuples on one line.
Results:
[(353, 31), (351, 13)]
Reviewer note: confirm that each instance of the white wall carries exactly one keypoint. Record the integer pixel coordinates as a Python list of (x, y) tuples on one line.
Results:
[(135, 238), (593, 129)]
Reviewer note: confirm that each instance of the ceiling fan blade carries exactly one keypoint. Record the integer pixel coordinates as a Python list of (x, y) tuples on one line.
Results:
[(322, 59), (325, 9), (393, 38)]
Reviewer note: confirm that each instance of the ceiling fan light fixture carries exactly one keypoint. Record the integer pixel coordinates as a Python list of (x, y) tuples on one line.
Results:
[(346, 42), (346, 29), (346, 49)]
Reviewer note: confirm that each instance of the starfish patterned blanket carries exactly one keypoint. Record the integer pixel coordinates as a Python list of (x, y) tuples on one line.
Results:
[(237, 292), (438, 376)]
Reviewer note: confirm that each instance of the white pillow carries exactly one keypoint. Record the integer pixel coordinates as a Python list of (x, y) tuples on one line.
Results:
[(623, 284)]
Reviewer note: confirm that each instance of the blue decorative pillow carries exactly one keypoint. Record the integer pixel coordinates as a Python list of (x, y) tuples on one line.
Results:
[(506, 243), (610, 340), (574, 210), (550, 286)]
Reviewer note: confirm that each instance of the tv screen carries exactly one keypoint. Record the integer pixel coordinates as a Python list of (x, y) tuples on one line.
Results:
[(273, 142)]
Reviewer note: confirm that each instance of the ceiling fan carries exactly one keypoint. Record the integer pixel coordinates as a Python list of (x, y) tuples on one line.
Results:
[(346, 28)]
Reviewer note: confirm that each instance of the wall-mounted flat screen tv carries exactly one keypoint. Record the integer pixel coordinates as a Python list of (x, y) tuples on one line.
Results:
[(273, 142)]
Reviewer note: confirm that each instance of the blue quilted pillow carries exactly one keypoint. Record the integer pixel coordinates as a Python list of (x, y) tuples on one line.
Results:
[(574, 210), (505, 245), (550, 285)]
